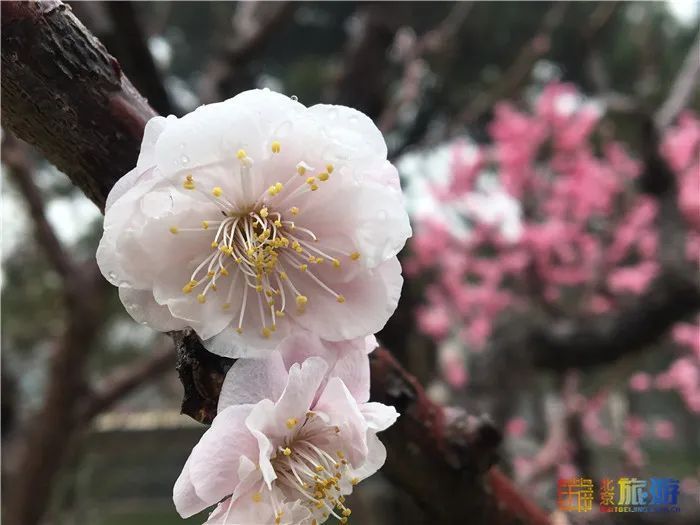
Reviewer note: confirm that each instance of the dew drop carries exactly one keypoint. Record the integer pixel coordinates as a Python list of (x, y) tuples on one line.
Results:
[(184, 159), (294, 98)]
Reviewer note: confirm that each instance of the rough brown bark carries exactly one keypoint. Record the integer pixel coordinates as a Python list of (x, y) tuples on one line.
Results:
[(63, 92)]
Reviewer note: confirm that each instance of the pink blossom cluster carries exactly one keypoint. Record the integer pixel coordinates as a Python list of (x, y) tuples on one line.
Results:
[(555, 221)]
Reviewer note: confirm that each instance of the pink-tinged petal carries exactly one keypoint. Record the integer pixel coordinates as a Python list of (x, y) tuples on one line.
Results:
[(300, 392), (378, 416), (186, 500), (260, 420), (370, 299), (143, 308), (353, 369), (376, 456), (214, 461), (341, 409), (251, 380)]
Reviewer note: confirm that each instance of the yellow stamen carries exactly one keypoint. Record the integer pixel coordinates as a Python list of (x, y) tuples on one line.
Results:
[(201, 298), (264, 213), (302, 300), (355, 255), (292, 422), (257, 497), (340, 299), (323, 177), (294, 210), (287, 451), (241, 154), (266, 332), (173, 230), (217, 191), (329, 168), (276, 146), (205, 225)]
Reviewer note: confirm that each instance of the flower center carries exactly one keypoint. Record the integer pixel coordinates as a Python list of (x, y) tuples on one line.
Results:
[(312, 474), (257, 241)]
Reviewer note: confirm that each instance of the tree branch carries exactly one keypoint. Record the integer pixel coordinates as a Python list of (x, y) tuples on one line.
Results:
[(63, 93), (121, 383), (684, 86), (16, 157)]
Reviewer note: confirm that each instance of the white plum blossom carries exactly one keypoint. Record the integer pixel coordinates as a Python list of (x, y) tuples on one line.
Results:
[(256, 218), (293, 434)]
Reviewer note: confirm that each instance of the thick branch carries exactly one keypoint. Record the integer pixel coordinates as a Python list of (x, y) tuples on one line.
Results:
[(63, 92)]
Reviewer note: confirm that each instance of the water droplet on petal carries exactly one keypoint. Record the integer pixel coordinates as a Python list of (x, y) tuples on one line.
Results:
[(184, 159), (112, 275), (294, 98)]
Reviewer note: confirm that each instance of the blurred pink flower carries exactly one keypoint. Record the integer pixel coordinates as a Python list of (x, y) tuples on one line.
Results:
[(664, 430), (516, 427), (640, 382)]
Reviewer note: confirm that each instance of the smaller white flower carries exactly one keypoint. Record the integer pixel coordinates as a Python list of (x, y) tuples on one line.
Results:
[(290, 440)]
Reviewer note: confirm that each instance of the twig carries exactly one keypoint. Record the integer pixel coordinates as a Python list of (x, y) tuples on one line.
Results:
[(517, 73), (16, 156), (121, 383), (683, 87)]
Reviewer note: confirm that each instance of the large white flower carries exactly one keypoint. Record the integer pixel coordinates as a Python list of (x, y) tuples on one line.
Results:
[(255, 218), (290, 440)]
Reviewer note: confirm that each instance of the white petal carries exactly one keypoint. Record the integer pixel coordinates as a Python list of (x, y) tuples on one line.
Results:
[(352, 132), (370, 299), (213, 464), (251, 380), (187, 503), (378, 416), (143, 308), (376, 456)]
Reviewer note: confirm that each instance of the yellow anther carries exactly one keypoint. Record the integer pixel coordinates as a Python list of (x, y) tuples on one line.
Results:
[(278, 186), (312, 259), (304, 267), (226, 306), (264, 213), (283, 276), (266, 332), (189, 286), (276, 146), (302, 300), (301, 169), (241, 154), (347, 512), (239, 330), (272, 191), (355, 481), (173, 230), (223, 272), (189, 183), (294, 210), (340, 299), (259, 288), (217, 191), (214, 244), (205, 225), (292, 422), (341, 499), (340, 454), (278, 224), (355, 255), (319, 468), (336, 263), (310, 180), (329, 168), (287, 451), (257, 497), (201, 298), (211, 274), (313, 187), (323, 177), (279, 313), (343, 520)]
